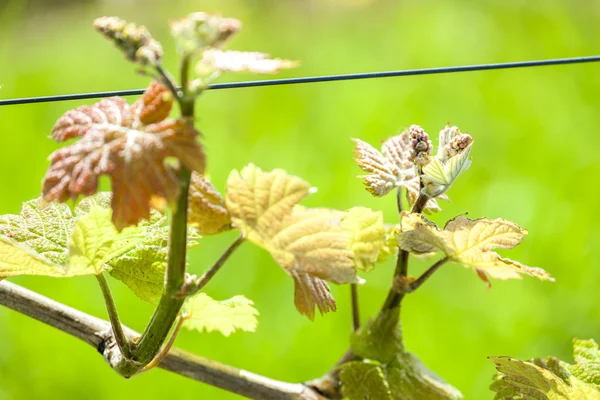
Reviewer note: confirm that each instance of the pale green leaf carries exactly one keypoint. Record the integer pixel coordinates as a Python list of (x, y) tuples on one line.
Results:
[(45, 229), (390, 244), (525, 380), (95, 241), (368, 235), (439, 174), (142, 269), (16, 259), (468, 242), (203, 313), (42, 227), (364, 380)]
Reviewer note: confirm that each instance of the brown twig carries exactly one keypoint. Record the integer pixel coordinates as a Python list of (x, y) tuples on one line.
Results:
[(98, 333)]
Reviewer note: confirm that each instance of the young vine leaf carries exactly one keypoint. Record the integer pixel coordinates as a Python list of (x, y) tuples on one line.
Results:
[(206, 34), (311, 245), (387, 370), (203, 313), (207, 212), (451, 160), (241, 61), (116, 141), (388, 170), (45, 231), (390, 244), (95, 241), (368, 236), (549, 378), (142, 268), (391, 168), (17, 259), (42, 227), (412, 187), (468, 242), (199, 31)]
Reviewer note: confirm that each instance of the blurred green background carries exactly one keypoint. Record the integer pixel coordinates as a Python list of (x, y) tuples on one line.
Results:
[(535, 161)]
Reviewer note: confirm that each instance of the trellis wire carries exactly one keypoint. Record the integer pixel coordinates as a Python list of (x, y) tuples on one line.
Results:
[(314, 79)]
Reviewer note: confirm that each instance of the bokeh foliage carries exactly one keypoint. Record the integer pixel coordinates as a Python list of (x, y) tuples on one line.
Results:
[(535, 163)]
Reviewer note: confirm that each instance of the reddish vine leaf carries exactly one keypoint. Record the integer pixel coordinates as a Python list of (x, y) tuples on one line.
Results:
[(127, 143)]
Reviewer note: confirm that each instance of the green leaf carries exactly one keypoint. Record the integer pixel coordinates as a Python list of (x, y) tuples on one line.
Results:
[(587, 359), (44, 230), (586, 351), (42, 227), (142, 269), (95, 241), (364, 380), (525, 380), (379, 339), (404, 375), (410, 379), (16, 259), (201, 312)]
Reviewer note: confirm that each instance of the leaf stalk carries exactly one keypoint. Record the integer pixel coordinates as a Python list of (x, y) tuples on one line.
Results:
[(119, 334), (199, 283)]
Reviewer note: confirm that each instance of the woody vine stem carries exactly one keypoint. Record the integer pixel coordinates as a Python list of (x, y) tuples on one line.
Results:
[(170, 304)]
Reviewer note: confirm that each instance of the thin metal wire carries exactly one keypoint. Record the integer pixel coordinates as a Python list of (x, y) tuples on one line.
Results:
[(314, 79)]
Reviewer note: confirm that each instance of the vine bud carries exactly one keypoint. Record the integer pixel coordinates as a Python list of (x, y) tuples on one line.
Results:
[(135, 41)]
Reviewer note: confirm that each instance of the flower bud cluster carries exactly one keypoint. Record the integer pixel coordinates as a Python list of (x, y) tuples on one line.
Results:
[(454, 142), (420, 146), (135, 41)]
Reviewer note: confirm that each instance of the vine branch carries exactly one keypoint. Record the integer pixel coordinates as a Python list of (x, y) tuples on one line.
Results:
[(199, 283), (98, 333), (168, 308), (414, 285)]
